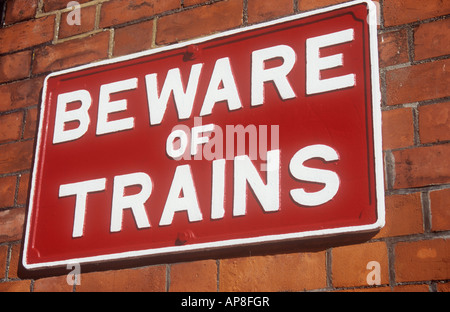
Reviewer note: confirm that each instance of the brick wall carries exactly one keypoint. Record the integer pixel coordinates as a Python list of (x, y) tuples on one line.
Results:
[(413, 249)]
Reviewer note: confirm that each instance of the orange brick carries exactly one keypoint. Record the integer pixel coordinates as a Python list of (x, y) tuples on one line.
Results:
[(52, 284), (11, 224), (133, 38), (193, 2), (418, 83), (20, 94), (11, 127), (199, 21), (422, 166), (412, 288), (398, 128), (403, 215), (422, 260), (349, 264), (71, 53), (431, 39), (283, 272), (305, 5), (7, 191), (87, 22), (434, 122), (443, 287), (259, 11), (440, 212), (117, 12), (27, 34), (151, 278), (15, 286), (23, 189), (52, 5), (16, 156), (193, 276), (15, 66), (393, 48), (20, 10), (3, 260), (397, 12)]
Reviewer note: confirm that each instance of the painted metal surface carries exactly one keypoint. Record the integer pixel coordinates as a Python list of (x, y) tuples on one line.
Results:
[(145, 154)]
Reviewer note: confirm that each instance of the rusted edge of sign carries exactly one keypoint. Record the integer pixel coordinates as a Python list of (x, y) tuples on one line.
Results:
[(377, 138)]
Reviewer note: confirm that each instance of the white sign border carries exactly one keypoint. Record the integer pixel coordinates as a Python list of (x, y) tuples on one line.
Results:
[(377, 137)]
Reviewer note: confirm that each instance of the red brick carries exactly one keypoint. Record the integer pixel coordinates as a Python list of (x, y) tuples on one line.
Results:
[(15, 66), (11, 224), (259, 11), (199, 21), (431, 39), (412, 288), (14, 261), (305, 5), (23, 189), (397, 12), (434, 122), (398, 128), (133, 38), (403, 215), (3, 260), (27, 34), (20, 94), (349, 264), (443, 287), (52, 5), (52, 284), (418, 83), (129, 280), (87, 22), (422, 260), (71, 53), (30, 124), (11, 127), (440, 212), (16, 156), (422, 166), (117, 12), (193, 276), (20, 10), (283, 272), (393, 48), (15, 286), (193, 2), (7, 191)]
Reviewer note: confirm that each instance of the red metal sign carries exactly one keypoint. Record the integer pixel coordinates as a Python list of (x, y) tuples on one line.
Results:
[(260, 134)]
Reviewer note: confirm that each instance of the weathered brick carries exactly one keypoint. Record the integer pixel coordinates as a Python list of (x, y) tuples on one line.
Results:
[(403, 215), (11, 127), (422, 260), (3, 260), (15, 286), (422, 166), (193, 276), (443, 287), (193, 2), (52, 284), (418, 83), (349, 264), (15, 66), (431, 39), (117, 12), (434, 122), (23, 189), (20, 10), (52, 5), (7, 191), (440, 212), (27, 34), (13, 270), (20, 94), (393, 48), (133, 38), (259, 11), (30, 127), (11, 224), (16, 156), (305, 5), (282, 272), (398, 128), (129, 280), (397, 12), (199, 21), (87, 22), (71, 53)]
